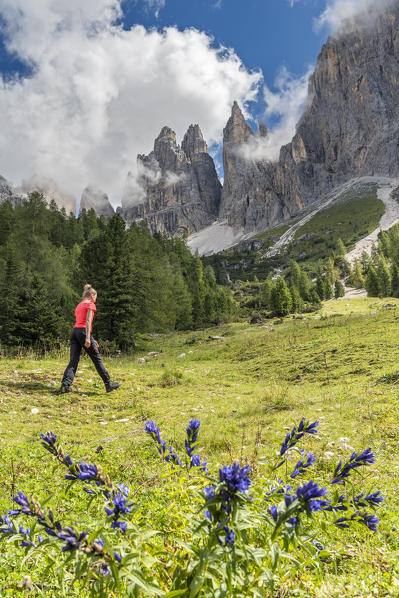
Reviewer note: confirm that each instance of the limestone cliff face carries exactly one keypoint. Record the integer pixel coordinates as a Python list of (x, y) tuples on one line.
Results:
[(249, 196), (349, 128), (177, 189), (7, 193), (95, 199), (50, 191)]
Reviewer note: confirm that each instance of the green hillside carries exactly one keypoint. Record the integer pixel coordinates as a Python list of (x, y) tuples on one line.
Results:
[(354, 215), (339, 366)]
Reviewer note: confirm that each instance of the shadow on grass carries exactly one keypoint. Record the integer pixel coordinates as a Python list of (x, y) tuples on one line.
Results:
[(29, 386)]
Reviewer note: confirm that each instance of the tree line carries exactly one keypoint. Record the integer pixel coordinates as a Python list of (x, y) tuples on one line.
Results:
[(144, 283)]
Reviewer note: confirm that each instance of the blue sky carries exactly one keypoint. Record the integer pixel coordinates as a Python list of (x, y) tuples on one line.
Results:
[(86, 86)]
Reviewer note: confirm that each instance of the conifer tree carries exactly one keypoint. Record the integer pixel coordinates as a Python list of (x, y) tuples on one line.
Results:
[(356, 278), (365, 260), (384, 244), (297, 301), (281, 299), (320, 287), (340, 250), (395, 280), (305, 286), (314, 297), (339, 290), (327, 289), (384, 278), (265, 293), (198, 291), (331, 272), (371, 283)]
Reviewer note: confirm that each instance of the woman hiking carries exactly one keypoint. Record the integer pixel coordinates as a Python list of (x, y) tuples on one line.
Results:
[(81, 337)]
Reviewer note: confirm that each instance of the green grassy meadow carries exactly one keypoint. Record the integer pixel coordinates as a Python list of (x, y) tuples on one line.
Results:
[(245, 389)]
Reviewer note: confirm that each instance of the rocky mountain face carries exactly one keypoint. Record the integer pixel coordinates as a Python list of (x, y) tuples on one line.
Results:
[(249, 197), (50, 191), (177, 189), (8, 193), (349, 128), (47, 187), (95, 199)]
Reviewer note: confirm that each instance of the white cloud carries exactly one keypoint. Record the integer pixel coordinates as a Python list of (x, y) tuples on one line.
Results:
[(339, 14), (287, 104), (99, 95)]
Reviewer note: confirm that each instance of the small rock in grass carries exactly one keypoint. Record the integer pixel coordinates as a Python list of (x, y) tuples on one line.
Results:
[(344, 439), (141, 360), (34, 410), (152, 353), (329, 454), (346, 447), (181, 355)]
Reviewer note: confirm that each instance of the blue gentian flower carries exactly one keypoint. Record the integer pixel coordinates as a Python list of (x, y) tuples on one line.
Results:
[(342, 471), (84, 471), (192, 436), (369, 520), (152, 429), (342, 522), (296, 434), (49, 438), (230, 535), (7, 522), (73, 539), (235, 477), (167, 453), (173, 458), (118, 524), (22, 500), (273, 512), (373, 499), (301, 466), (117, 557), (310, 494), (209, 491)]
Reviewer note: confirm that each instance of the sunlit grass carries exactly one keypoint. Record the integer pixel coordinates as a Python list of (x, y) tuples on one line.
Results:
[(245, 389)]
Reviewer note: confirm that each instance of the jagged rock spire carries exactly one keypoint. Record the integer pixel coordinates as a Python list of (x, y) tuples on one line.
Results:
[(193, 142), (96, 199), (236, 130)]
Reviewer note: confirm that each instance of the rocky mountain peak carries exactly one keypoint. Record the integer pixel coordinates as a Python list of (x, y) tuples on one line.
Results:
[(193, 142), (263, 130), (50, 191), (236, 130), (167, 153), (95, 199), (7, 193)]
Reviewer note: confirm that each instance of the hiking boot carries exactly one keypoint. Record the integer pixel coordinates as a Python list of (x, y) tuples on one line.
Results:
[(112, 386), (64, 388)]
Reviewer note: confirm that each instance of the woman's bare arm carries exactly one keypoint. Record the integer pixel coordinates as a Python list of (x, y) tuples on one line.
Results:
[(89, 318)]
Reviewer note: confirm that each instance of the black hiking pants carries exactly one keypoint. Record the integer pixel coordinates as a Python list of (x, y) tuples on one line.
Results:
[(78, 339)]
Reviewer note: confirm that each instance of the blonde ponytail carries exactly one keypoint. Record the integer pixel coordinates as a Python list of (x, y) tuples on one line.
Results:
[(88, 291)]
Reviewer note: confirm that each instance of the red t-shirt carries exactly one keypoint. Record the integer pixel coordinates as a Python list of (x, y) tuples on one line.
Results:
[(81, 312)]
